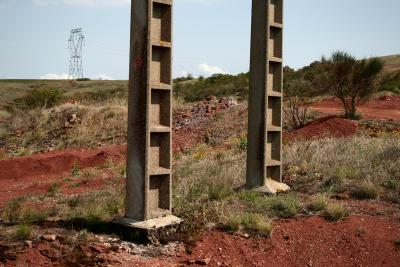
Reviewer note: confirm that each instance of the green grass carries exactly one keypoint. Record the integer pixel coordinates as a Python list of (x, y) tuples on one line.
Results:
[(334, 212), (318, 203), (22, 232)]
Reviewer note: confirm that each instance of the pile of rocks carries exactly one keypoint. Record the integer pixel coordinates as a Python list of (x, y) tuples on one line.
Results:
[(202, 111)]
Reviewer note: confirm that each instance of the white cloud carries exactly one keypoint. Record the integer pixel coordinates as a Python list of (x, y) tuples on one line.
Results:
[(102, 77), (87, 3), (209, 70), (53, 76), (182, 73)]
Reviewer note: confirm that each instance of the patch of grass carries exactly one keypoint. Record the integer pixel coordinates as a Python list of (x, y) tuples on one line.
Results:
[(242, 145), (334, 212), (319, 203), (22, 232), (285, 206), (257, 223), (53, 189), (76, 170), (22, 211), (253, 223), (365, 190)]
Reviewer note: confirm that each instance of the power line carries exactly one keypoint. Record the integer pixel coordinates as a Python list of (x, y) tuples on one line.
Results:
[(75, 43)]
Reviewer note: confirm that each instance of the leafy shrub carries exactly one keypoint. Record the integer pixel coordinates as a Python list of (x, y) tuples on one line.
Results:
[(40, 98)]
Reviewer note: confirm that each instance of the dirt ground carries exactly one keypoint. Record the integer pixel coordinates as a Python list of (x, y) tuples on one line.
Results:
[(366, 238), (381, 108)]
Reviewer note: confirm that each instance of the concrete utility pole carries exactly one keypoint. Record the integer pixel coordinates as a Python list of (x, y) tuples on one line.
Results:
[(148, 191), (264, 166)]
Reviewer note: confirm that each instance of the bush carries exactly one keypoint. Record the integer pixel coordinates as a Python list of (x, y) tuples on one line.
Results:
[(82, 79), (40, 98), (365, 190), (250, 222), (334, 212), (319, 203)]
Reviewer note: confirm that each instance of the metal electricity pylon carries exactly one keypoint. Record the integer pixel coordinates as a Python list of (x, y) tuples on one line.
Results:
[(75, 43)]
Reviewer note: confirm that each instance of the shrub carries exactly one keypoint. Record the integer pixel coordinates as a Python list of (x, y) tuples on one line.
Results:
[(41, 98), (334, 212), (352, 81), (365, 190), (82, 79)]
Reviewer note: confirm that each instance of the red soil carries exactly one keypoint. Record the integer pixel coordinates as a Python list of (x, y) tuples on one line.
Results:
[(33, 174), (356, 241), (382, 108), (328, 126)]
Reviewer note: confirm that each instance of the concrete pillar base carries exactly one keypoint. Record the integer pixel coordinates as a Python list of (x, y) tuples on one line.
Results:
[(156, 223), (272, 187)]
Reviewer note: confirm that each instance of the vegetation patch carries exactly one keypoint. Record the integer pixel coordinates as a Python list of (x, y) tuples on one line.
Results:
[(365, 190), (334, 212)]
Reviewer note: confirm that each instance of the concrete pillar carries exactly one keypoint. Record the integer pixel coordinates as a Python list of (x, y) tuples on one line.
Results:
[(148, 189), (265, 100)]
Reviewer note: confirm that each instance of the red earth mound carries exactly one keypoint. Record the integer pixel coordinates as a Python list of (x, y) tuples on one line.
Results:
[(325, 127), (381, 108), (34, 174), (356, 241)]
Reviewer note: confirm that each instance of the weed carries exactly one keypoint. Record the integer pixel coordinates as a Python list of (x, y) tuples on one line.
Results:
[(391, 184), (22, 232), (285, 207), (76, 170), (257, 223), (250, 222), (232, 224), (53, 189), (243, 143), (319, 203), (334, 212), (365, 190)]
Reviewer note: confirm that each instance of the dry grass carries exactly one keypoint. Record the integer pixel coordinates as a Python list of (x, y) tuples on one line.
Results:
[(333, 165), (67, 126)]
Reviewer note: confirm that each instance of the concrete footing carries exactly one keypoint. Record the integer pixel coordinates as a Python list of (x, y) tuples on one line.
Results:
[(152, 223)]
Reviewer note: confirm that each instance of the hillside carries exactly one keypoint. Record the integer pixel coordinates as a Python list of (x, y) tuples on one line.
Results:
[(392, 63)]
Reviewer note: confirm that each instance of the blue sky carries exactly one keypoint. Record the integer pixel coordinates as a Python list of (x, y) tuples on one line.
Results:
[(209, 35)]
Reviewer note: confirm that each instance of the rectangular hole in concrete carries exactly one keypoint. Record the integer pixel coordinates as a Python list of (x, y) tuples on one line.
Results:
[(159, 195), (161, 23), (159, 154), (160, 109), (274, 111), (274, 146), (275, 77), (274, 173), (276, 11), (161, 65), (275, 42)]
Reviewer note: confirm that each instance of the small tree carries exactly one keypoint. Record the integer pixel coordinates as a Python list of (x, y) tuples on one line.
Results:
[(352, 81)]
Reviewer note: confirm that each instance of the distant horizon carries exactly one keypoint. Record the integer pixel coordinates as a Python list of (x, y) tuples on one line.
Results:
[(210, 36)]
